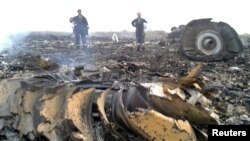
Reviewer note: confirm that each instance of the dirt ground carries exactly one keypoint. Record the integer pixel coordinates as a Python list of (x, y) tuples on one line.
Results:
[(227, 82)]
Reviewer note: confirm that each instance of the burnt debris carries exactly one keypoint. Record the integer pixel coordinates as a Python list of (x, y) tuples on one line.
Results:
[(52, 91)]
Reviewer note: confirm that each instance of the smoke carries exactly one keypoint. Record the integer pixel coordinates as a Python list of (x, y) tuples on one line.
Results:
[(4, 41), (11, 40)]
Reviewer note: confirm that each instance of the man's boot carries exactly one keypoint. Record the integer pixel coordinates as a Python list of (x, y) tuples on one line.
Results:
[(142, 46), (77, 46), (138, 47), (85, 48)]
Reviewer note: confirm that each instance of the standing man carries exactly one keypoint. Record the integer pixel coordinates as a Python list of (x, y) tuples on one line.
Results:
[(80, 29), (139, 24)]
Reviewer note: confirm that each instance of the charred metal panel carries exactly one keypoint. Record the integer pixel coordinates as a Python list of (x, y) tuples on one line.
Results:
[(204, 40), (155, 126)]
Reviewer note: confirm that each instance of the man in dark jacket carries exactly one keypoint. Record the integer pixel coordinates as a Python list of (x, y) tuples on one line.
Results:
[(80, 29), (139, 24)]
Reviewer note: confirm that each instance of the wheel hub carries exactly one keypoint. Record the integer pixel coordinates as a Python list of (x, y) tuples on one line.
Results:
[(209, 42)]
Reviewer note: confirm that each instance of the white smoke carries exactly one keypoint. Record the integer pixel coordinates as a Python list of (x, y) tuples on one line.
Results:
[(8, 40), (5, 42)]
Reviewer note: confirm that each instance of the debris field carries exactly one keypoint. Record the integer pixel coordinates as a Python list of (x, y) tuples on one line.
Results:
[(52, 91)]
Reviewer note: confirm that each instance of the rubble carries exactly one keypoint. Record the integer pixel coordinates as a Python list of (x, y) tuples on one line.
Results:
[(154, 126), (114, 92), (1, 124)]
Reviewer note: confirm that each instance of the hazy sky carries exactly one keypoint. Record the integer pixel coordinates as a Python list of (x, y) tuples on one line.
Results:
[(116, 15)]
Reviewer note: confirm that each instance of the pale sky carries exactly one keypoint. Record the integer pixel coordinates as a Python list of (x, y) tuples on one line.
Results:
[(116, 15)]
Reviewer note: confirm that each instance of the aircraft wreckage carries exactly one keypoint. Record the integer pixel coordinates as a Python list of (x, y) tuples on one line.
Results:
[(205, 40), (61, 108), (45, 107)]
